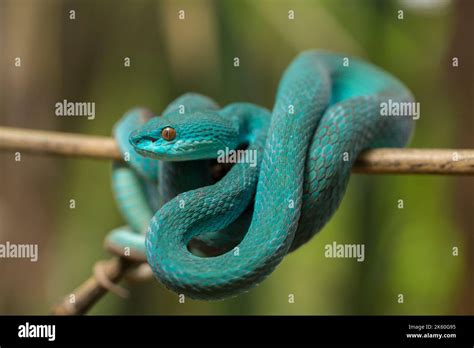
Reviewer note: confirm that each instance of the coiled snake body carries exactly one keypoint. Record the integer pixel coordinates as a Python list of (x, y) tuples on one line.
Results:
[(325, 114)]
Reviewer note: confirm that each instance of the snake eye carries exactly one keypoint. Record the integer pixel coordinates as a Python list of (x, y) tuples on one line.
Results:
[(168, 133)]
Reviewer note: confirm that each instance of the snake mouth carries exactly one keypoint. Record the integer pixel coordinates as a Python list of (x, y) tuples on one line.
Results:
[(146, 153), (157, 154), (147, 138), (153, 148), (141, 141), (150, 145), (146, 145)]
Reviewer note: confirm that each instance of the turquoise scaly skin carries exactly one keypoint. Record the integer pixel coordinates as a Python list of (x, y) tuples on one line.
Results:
[(134, 187), (141, 185), (324, 113)]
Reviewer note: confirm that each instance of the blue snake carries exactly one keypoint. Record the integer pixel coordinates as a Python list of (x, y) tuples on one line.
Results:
[(325, 113)]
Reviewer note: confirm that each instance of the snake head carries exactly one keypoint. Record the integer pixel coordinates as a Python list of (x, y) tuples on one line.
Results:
[(183, 137)]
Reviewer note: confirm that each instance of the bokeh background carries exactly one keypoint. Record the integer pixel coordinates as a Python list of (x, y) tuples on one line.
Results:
[(408, 251)]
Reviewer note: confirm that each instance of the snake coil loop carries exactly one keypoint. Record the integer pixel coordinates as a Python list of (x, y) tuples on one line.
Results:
[(324, 115)]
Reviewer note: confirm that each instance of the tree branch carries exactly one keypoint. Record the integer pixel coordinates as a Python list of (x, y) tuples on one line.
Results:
[(57, 143), (375, 161), (92, 290)]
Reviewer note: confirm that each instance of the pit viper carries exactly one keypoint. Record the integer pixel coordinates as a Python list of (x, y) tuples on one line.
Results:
[(326, 111)]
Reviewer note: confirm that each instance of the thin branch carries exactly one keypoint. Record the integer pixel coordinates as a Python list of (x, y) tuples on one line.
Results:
[(92, 290), (57, 143), (376, 161), (416, 161)]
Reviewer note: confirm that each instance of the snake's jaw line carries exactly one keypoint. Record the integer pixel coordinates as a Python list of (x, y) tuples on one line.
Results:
[(175, 150)]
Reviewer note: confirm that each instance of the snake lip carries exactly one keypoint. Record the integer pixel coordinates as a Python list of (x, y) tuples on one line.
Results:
[(160, 154), (142, 139), (148, 138), (146, 152)]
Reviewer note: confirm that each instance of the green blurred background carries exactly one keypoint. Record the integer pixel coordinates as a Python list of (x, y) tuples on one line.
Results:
[(408, 251)]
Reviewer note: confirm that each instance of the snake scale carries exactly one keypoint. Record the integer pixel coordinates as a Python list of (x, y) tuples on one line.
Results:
[(325, 114)]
